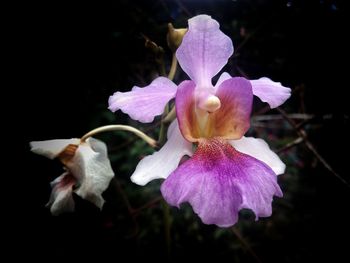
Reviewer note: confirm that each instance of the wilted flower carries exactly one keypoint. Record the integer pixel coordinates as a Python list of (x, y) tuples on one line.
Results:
[(87, 171), (227, 172)]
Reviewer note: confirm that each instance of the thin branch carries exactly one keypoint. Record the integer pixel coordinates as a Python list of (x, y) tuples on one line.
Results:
[(244, 242), (303, 135), (291, 144), (150, 204), (184, 8), (310, 146), (271, 117)]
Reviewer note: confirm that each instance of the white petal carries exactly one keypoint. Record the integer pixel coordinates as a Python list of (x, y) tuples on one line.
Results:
[(51, 148), (91, 167), (260, 150), (61, 199), (162, 163)]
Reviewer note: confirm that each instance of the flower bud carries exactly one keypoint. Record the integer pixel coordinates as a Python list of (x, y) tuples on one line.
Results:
[(175, 36)]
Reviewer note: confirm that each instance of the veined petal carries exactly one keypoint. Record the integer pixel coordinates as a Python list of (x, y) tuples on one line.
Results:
[(232, 120), (260, 150), (204, 51), (52, 148), (271, 92), (92, 169), (143, 104), (61, 199), (218, 181), (162, 163)]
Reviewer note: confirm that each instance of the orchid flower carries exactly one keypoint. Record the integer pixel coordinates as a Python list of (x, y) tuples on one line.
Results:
[(87, 171), (227, 171)]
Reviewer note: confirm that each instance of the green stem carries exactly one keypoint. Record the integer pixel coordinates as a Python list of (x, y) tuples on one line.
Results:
[(164, 124), (170, 116), (137, 132), (167, 227), (173, 68), (163, 127)]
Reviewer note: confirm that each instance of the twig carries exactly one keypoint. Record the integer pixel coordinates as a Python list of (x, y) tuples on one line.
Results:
[(123, 195), (167, 227), (236, 232), (310, 146), (151, 203), (271, 117), (291, 144), (303, 135), (184, 8)]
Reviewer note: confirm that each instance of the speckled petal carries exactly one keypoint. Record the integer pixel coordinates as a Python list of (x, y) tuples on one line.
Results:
[(218, 181)]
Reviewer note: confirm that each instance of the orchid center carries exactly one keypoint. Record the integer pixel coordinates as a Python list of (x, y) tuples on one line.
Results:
[(211, 104)]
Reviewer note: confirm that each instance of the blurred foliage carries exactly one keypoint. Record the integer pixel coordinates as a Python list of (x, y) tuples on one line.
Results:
[(88, 51)]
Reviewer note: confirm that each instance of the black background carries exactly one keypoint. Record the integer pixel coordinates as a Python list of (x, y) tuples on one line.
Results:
[(73, 56)]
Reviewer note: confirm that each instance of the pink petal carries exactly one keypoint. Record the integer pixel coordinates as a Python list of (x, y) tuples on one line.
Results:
[(162, 163), (271, 92), (218, 181), (143, 104), (186, 110), (204, 50)]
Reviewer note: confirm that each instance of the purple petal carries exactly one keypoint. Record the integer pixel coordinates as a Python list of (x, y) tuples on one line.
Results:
[(143, 104), (271, 92), (218, 181), (204, 50), (162, 163)]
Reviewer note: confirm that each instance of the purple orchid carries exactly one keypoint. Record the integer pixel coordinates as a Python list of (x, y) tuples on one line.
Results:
[(227, 171)]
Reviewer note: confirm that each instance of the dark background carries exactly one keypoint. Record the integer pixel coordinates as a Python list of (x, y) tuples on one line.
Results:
[(74, 56)]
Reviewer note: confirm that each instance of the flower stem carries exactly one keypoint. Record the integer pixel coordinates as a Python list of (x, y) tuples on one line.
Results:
[(170, 116), (164, 124), (173, 68), (163, 127), (167, 227), (137, 132)]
